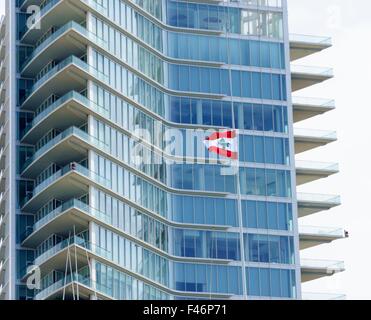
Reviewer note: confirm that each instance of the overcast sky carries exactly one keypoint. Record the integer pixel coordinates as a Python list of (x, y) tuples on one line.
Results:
[(348, 23)]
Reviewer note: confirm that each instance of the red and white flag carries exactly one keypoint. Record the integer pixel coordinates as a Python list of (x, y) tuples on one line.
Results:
[(223, 143)]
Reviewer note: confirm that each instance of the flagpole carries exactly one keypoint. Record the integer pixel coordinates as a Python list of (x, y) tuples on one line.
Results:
[(238, 184)]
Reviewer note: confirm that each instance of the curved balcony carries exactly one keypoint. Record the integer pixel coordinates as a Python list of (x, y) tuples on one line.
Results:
[(55, 259), (2, 226), (2, 114), (307, 139), (67, 286), (2, 92), (2, 268), (305, 108), (305, 45), (60, 221), (70, 74), (309, 203), (308, 171), (314, 236), (76, 141), (306, 76), (70, 110), (3, 156), (72, 181), (312, 269), (2, 27), (2, 70), (71, 39), (3, 245), (2, 49), (55, 13)]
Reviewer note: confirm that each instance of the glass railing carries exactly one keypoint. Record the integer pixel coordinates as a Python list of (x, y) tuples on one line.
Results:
[(73, 167), (322, 264), (322, 231), (76, 240), (310, 39), (65, 134), (322, 296), (60, 246), (70, 60), (71, 25), (321, 134), (73, 203), (320, 71), (81, 279), (313, 165), (72, 95), (314, 102), (319, 198), (42, 12)]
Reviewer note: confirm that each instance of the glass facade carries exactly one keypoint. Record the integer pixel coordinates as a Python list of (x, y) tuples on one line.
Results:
[(169, 229)]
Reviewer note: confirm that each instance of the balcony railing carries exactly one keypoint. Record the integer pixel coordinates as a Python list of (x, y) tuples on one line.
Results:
[(76, 240), (322, 231), (316, 71), (322, 264), (42, 12), (69, 132), (319, 198), (72, 95), (73, 167), (73, 203), (80, 279), (60, 66), (310, 39), (319, 102), (314, 165), (320, 134), (71, 25)]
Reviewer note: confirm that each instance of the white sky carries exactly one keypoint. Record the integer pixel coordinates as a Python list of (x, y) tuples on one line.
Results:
[(349, 24)]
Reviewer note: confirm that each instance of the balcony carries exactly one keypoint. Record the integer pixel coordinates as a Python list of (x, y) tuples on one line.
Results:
[(72, 181), (68, 286), (70, 74), (3, 244), (314, 236), (306, 76), (305, 45), (308, 139), (56, 13), (3, 177), (2, 49), (314, 269), (3, 157), (305, 108), (70, 110), (60, 220), (2, 27), (2, 92), (322, 296), (3, 132), (308, 171), (71, 145), (70, 39), (309, 203), (2, 226), (2, 70), (2, 114)]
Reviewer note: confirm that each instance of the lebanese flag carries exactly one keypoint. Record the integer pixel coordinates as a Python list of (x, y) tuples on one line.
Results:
[(223, 143)]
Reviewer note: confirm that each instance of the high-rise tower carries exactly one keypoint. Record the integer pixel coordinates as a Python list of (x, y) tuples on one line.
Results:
[(105, 191)]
